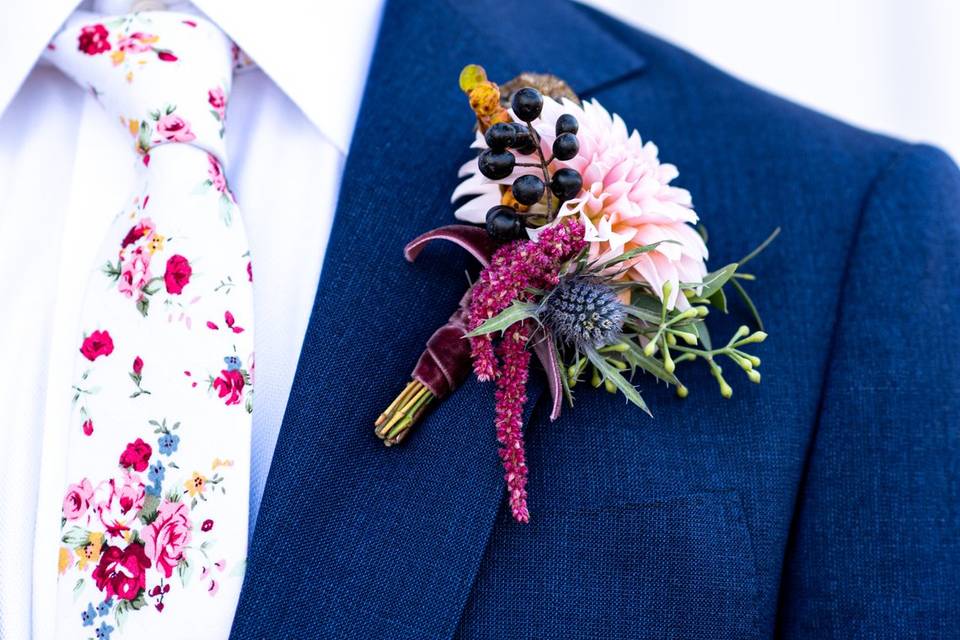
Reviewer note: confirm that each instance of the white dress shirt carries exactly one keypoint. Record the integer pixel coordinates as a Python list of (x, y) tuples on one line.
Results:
[(65, 169)]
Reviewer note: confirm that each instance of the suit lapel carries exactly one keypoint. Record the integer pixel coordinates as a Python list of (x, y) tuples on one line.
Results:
[(352, 536)]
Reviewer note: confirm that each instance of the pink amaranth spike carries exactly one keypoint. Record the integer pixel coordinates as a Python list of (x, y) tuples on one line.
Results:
[(514, 268), (511, 396)]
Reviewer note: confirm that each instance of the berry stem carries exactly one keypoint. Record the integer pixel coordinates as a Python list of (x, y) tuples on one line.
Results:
[(546, 171)]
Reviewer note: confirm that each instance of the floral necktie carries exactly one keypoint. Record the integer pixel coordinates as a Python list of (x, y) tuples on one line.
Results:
[(154, 523)]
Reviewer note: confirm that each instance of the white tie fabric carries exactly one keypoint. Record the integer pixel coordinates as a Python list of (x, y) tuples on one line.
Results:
[(154, 522)]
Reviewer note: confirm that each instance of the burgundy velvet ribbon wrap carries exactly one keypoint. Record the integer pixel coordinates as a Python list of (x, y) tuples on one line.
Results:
[(445, 363)]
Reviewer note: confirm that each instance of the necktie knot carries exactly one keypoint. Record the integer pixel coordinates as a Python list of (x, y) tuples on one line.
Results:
[(166, 76)]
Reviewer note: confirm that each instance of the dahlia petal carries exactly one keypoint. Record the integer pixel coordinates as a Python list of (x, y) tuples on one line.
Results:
[(473, 187)]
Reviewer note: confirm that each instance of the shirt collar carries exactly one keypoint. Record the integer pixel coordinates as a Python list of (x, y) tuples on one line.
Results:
[(25, 30), (318, 53), (326, 82)]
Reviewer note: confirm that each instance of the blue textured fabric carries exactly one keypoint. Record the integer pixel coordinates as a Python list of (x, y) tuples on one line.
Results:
[(821, 504)]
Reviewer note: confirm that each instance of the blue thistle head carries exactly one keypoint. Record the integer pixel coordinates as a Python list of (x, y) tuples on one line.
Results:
[(583, 313)]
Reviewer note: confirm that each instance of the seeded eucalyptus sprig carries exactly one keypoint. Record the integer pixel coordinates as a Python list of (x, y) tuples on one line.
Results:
[(598, 335)]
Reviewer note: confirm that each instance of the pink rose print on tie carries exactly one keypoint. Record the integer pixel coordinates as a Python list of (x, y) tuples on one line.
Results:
[(136, 374), (130, 538), (122, 572), (137, 42), (143, 229), (177, 275), (93, 39), (218, 181), (131, 44), (173, 128), (77, 500), (88, 427), (118, 501), (99, 343), (167, 536), (134, 272), (218, 101), (230, 386), (218, 106), (215, 172), (136, 455), (235, 383)]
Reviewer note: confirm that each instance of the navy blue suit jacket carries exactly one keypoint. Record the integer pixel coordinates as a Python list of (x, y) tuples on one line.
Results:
[(823, 503)]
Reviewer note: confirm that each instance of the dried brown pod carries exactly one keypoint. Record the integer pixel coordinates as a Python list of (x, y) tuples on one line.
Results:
[(545, 83)]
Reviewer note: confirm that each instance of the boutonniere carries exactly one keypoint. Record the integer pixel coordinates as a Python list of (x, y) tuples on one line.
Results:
[(591, 261)]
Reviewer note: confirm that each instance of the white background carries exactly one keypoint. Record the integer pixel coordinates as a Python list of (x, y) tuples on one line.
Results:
[(891, 66)]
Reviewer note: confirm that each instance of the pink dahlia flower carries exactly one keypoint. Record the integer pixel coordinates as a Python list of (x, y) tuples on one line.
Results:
[(626, 201)]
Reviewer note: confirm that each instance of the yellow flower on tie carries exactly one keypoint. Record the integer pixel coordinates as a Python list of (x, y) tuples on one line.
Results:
[(196, 484), (90, 552), (65, 560), (156, 243), (217, 463)]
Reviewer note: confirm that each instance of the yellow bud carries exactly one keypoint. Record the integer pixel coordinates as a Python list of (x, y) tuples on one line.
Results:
[(611, 388), (671, 340), (725, 389), (668, 362), (702, 311), (595, 380), (650, 348), (471, 76), (682, 391), (754, 376), (485, 99), (667, 290), (754, 360), (742, 331)]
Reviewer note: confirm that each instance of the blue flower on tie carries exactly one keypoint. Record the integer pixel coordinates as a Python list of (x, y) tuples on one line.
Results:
[(104, 607), (155, 475), (103, 633), (88, 615), (233, 363), (168, 443)]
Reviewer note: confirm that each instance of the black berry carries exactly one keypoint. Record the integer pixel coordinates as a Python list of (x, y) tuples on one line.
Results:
[(565, 146), (566, 183), (496, 165), (567, 124), (524, 143), (527, 104), (501, 136), (503, 223), (528, 189)]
